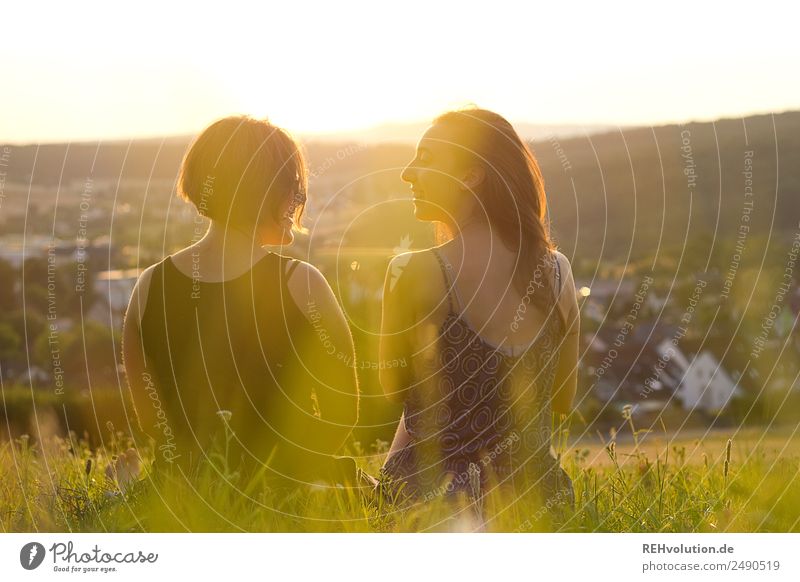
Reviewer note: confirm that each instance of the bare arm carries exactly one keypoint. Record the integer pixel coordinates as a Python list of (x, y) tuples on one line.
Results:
[(336, 388), (396, 323), (396, 343), (134, 360), (565, 384)]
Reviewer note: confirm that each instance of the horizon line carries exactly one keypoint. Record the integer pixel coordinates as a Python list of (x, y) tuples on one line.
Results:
[(328, 136)]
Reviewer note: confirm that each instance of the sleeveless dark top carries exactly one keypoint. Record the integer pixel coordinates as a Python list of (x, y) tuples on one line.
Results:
[(480, 417), (239, 352)]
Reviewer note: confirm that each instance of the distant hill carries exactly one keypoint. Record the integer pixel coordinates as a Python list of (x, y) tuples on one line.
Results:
[(613, 195), (410, 132), (158, 158), (678, 189)]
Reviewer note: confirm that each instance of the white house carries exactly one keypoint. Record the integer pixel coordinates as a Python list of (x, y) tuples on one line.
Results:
[(115, 287), (704, 383), (16, 248)]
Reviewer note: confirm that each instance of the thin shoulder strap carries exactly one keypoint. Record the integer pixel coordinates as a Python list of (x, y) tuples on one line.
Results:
[(292, 266), (558, 276), (449, 284)]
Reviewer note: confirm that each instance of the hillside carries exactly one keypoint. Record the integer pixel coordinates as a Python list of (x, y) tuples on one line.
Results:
[(614, 195)]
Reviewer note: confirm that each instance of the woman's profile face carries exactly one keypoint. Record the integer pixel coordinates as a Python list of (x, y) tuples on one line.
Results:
[(437, 178), (281, 231)]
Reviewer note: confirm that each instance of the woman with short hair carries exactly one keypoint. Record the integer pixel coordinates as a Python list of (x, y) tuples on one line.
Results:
[(224, 337)]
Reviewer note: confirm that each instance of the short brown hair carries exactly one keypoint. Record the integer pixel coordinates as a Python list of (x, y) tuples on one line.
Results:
[(240, 170)]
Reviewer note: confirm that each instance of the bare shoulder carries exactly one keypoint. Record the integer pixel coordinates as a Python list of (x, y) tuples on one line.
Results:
[(412, 263), (566, 270), (568, 297), (306, 279), (314, 297), (310, 289), (138, 299), (416, 275)]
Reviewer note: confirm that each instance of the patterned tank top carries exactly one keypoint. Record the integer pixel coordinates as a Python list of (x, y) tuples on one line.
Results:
[(480, 417)]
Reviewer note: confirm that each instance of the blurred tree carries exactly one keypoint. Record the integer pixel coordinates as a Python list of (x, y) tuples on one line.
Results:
[(90, 349), (8, 279), (82, 350), (10, 342)]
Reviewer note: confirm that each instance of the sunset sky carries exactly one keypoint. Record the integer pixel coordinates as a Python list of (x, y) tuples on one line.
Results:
[(113, 70)]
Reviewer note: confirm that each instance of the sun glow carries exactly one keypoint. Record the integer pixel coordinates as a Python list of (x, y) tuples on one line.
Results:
[(329, 67)]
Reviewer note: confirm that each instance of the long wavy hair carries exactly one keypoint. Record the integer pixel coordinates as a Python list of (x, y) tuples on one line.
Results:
[(512, 195)]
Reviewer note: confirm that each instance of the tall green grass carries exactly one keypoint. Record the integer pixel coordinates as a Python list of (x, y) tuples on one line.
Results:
[(62, 485)]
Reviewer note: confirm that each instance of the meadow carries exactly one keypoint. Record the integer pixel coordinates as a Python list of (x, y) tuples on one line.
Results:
[(645, 481)]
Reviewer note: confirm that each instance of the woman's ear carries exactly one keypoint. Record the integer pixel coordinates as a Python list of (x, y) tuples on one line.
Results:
[(473, 178)]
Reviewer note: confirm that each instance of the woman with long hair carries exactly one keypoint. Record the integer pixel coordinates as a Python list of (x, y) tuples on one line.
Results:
[(221, 339), (489, 319)]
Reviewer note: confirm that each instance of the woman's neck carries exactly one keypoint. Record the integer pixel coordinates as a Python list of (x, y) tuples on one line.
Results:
[(227, 239), (478, 240)]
